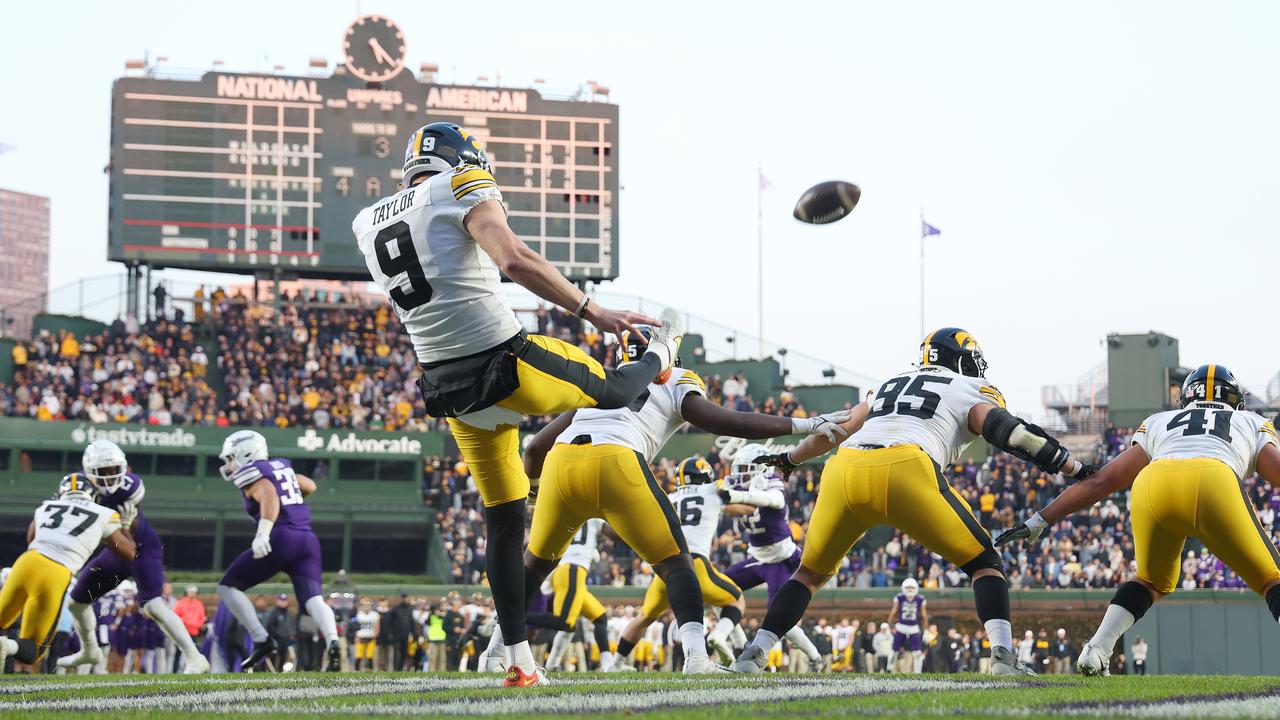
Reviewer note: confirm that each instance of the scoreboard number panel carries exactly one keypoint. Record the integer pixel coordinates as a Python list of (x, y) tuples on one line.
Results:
[(247, 173)]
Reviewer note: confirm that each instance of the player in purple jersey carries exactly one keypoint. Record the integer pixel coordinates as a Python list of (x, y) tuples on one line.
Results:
[(907, 617), (772, 554), (275, 496), (107, 469)]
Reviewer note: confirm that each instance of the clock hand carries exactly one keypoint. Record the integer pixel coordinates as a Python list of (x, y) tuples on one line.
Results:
[(379, 53)]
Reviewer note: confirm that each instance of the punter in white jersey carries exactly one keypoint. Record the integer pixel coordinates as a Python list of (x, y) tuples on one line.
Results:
[(437, 250), (1185, 470), (595, 463), (888, 472), (63, 536)]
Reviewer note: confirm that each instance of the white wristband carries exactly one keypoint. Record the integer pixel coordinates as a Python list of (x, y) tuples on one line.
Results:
[(800, 426), (265, 525), (1036, 523)]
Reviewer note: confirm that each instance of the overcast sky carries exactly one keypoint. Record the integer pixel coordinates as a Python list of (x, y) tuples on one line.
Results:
[(1094, 166)]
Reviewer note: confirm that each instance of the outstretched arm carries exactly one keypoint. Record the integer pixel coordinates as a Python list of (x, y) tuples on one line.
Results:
[(1010, 433), (815, 445), (487, 223), (1114, 476), (1269, 465), (702, 413), (541, 444)]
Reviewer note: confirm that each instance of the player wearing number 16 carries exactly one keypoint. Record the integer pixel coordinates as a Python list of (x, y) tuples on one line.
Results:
[(65, 532), (1185, 469), (436, 249), (888, 472), (274, 496)]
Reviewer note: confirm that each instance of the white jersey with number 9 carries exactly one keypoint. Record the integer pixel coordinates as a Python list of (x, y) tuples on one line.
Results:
[(445, 289)]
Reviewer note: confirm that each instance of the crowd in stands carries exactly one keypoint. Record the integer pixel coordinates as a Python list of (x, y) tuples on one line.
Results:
[(324, 361), (310, 360)]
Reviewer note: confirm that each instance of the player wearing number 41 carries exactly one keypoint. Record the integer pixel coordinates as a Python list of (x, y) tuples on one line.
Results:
[(275, 496), (107, 469), (1185, 470), (437, 250), (595, 463), (888, 473), (65, 531)]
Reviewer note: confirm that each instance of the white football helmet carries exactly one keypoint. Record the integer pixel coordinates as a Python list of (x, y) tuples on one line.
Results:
[(744, 469), (4, 574), (105, 465), (239, 450), (910, 588)]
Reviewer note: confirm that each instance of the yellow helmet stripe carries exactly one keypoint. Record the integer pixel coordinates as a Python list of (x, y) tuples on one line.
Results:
[(74, 481), (924, 351), (1208, 384)]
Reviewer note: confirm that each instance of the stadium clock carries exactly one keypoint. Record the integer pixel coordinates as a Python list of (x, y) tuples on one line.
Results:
[(374, 48)]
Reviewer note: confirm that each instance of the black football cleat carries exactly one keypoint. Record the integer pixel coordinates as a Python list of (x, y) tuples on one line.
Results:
[(261, 651), (335, 658)]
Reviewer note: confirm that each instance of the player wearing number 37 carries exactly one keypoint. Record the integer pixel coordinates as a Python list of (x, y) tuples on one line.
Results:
[(274, 496), (1185, 469), (437, 250), (888, 473), (65, 532)]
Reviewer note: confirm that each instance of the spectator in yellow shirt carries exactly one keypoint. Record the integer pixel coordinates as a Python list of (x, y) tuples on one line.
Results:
[(70, 346)]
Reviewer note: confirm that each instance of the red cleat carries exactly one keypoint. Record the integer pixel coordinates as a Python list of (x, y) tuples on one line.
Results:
[(518, 678)]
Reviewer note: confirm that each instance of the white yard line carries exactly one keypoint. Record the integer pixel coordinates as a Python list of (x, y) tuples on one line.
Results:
[(1261, 707), (612, 694)]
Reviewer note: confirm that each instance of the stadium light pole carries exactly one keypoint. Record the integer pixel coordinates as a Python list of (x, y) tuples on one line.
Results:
[(759, 259)]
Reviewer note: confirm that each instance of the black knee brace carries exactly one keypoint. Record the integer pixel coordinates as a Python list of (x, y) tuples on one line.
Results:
[(731, 613), (1134, 597), (685, 595), (625, 647), (602, 633), (991, 597), (988, 560), (26, 652), (787, 608), (1273, 602)]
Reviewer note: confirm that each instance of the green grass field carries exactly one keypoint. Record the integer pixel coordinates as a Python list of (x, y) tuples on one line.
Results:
[(656, 696)]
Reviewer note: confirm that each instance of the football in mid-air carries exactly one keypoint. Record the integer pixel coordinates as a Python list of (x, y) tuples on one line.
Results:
[(827, 202)]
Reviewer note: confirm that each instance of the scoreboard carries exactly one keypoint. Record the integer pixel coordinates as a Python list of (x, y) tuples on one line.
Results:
[(253, 173)]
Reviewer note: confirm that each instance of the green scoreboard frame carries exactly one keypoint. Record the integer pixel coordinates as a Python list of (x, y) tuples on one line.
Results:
[(249, 173)]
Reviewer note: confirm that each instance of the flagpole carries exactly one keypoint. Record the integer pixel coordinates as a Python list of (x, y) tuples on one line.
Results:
[(922, 273), (760, 259)]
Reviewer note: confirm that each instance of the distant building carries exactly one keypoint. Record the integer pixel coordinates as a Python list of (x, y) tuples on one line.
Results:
[(24, 260)]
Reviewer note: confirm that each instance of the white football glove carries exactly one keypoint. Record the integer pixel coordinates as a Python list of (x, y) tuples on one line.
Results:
[(826, 424), (128, 513), (262, 540)]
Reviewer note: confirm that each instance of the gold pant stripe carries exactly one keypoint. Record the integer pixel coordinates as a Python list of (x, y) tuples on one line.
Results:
[(1175, 499), (898, 486), (571, 598), (717, 589), (552, 386), (580, 482), (36, 589)]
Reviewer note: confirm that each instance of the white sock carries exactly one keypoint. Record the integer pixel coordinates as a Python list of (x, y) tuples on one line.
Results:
[(724, 626), (693, 637), (171, 626), (86, 626), (1114, 624), (1000, 632), (495, 642), (323, 615), (738, 636), (765, 640), (242, 608), (802, 641), (559, 646), (606, 659), (521, 656)]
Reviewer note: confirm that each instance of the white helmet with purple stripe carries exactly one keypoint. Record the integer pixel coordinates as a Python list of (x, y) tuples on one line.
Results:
[(743, 468), (240, 449)]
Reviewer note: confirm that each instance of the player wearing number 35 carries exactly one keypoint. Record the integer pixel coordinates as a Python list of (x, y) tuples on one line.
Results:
[(888, 473), (436, 250), (1185, 469), (275, 496)]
